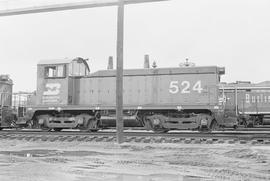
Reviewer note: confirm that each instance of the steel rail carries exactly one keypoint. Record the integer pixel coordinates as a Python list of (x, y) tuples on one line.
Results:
[(191, 134)]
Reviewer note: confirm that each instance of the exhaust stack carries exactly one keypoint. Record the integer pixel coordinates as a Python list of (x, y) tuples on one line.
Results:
[(110, 63), (146, 62)]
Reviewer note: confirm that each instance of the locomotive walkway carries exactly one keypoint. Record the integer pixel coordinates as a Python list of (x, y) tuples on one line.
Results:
[(187, 137)]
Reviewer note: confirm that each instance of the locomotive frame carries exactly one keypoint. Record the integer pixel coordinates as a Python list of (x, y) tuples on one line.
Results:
[(158, 99)]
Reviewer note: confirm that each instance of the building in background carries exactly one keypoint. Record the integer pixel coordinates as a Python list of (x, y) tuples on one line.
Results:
[(21, 100)]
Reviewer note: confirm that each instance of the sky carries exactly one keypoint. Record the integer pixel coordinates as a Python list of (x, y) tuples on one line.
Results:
[(234, 34)]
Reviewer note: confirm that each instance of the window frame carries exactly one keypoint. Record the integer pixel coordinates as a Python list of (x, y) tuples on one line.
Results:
[(55, 74)]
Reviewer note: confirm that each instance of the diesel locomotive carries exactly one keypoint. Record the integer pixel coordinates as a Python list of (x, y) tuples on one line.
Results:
[(7, 118), (158, 99), (250, 103)]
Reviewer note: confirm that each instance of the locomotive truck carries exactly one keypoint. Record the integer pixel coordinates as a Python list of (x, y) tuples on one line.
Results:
[(158, 99), (6, 114)]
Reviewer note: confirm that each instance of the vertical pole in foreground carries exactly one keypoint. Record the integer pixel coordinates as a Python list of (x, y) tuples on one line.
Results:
[(119, 73)]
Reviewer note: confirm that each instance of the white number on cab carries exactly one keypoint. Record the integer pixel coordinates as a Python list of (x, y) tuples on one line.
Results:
[(185, 87), (174, 87)]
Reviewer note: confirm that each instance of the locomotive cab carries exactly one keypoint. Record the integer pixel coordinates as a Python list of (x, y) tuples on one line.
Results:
[(57, 84)]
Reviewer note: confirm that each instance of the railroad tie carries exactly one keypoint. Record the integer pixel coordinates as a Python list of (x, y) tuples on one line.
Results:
[(129, 139), (176, 140), (221, 141), (197, 141), (243, 141), (147, 140), (44, 138), (21, 137), (4, 137), (91, 138), (72, 138), (209, 141), (168, 140), (53, 139), (110, 139), (139, 139), (82, 138), (188, 140), (260, 141), (257, 141), (11, 137), (159, 140), (28, 138), (100, 139), (64, 138), (231, 141), (36, 138)]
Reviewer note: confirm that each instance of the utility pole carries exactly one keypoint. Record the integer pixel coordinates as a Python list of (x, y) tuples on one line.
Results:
[(119, 73)]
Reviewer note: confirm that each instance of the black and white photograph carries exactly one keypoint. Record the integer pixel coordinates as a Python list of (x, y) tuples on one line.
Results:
[(134, 90)]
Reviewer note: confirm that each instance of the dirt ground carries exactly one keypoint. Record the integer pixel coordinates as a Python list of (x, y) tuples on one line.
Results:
[(85, 161)]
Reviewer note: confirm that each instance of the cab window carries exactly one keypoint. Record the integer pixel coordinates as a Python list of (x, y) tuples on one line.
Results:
[(55, 71)]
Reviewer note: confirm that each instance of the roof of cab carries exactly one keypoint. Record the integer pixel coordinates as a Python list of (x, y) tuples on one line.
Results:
[(55, 61), (62, 61)]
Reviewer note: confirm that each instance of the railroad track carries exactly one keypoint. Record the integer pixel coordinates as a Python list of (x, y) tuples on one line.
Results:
[(188, 137)]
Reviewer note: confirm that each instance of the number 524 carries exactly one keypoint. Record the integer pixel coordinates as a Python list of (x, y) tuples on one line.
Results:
[(184, 87)]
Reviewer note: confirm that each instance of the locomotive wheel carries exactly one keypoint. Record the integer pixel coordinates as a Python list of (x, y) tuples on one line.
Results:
[(57, 129), (93, 125), (257, 122), (44, 129), (214, 126), (155, 124), (163, 130), (147, 124), (250, 125), (94, 130), (44, 126), (29, 124), (86, 121)]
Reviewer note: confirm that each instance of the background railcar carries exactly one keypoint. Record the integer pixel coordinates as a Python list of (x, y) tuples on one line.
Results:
[(68, 96), (6, 115), (250, 103)]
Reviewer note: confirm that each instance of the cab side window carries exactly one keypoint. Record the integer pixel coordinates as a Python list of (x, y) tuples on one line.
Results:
[(55, 71)]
